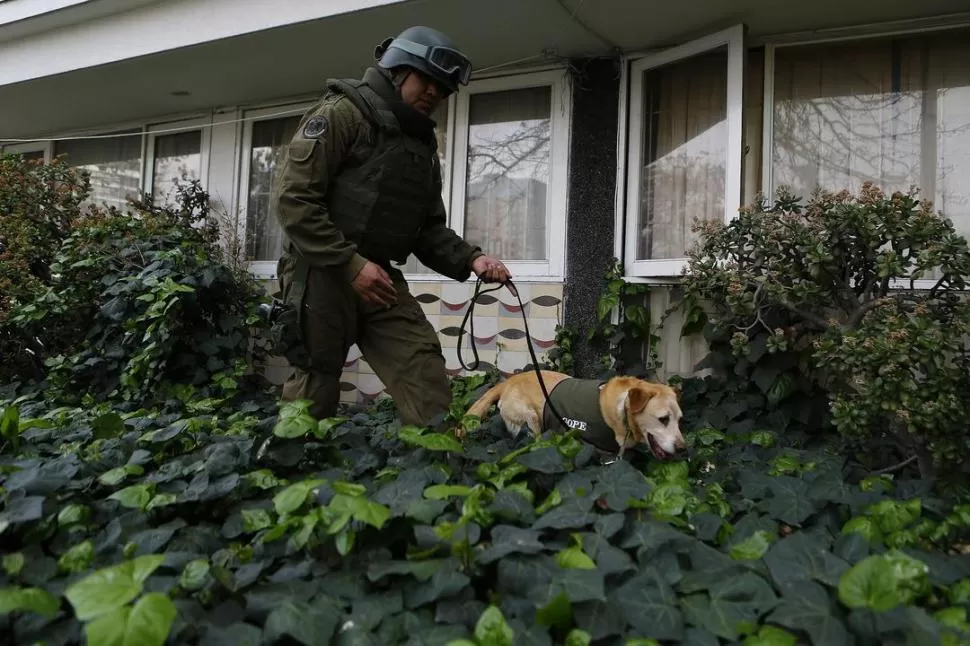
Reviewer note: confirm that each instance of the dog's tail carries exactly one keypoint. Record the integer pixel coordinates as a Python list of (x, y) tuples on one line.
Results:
[(492, 395)]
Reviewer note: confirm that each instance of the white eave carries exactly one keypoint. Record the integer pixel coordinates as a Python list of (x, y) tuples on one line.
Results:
[(41, 38)]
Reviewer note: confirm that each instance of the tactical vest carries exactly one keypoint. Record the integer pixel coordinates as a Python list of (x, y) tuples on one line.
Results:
[(381, 204), (578, 401)]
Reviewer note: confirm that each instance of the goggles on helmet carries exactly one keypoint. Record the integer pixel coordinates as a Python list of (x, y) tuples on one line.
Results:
[(449, 61)]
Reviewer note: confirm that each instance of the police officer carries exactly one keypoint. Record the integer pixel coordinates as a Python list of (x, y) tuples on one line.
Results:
[(360, 188)]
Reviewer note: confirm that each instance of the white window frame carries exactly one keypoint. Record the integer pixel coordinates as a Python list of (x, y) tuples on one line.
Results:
[(154, 130), (33, 147), (734, 39), (261, 269), (768, 130), (560, 105)]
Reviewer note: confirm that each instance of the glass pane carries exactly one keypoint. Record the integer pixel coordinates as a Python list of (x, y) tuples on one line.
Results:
[(841, 117), (948, 95), (178, 157), (412, 266), (506, 191), (264, 237), (684, 152), (33, 154), (894, 111), (114, 165)]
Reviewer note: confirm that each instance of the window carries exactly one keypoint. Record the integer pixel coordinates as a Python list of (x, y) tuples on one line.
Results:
[(685, 140), (29, 150), (895, 111), (113, 164), (509, 174), (268, 141), (176, 154)]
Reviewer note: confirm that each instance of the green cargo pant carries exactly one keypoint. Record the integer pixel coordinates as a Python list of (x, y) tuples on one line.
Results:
[(399, 343)]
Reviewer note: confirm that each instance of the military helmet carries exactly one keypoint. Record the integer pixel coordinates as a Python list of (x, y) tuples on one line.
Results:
[(429, 51)]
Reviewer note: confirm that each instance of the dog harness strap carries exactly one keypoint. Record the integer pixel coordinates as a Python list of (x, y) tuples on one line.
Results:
[(578, 401)]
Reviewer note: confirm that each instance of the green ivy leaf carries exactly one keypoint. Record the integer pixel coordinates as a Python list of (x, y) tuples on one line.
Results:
[(732, 602), (133, 497), (36, 600), (752, 548), (109, 628), (77, 559), (765, 439), (161, 500), (883, 581), (864, 526), (255, 520), (111, 588), (107, 426), (344, 541), (558, 612), (150, 621), (770, 636), (574, 558), (306, 624), (294, 420), (959, 592), (577, 637), (118, 474), (807, 606), (492, 629), (323, 429), (293, 497), (71, 515), (13, 564), (361, 509), (262, 479), (443, 492), (194, 574), (431, 441)]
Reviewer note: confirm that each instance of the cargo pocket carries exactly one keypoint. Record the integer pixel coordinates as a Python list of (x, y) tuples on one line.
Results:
[(301, 150)]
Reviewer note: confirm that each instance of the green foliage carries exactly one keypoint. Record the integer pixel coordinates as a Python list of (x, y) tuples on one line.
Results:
[(631, 342), (37, 205), (802, 299), (560, 357), (136, 306), (261, 524)]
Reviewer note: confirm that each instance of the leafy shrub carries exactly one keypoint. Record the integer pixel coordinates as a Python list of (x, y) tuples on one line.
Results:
[(827, 287), (195, 530), (163, 308), (37, 204), (133, 305)]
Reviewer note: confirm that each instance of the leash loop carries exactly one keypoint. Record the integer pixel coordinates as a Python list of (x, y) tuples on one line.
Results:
[(469, 320)]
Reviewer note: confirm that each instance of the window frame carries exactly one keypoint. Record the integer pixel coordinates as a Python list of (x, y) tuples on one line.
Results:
[(734, 38), (158, 129), (260, 269), (45, 147), (767, 134), (560, 112)]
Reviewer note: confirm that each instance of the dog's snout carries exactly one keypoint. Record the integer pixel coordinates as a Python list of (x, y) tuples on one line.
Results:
[(680, 446)]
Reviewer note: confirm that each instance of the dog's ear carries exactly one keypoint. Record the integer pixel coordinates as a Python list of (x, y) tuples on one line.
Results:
[(637, 398)]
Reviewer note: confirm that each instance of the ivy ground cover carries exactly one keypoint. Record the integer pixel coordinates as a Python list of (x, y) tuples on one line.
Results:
[(251, 524)]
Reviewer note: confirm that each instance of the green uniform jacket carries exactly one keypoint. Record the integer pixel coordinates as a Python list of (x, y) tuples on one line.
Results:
[(578, 401), (348, 137)]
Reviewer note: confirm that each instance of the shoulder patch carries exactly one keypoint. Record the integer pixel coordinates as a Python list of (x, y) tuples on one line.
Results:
[(315, 127)]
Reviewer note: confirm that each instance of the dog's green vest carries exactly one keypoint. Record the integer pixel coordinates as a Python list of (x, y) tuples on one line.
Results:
[(381, 204), (578, 401)]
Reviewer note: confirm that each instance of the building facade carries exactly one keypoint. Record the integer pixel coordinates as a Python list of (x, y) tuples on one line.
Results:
[(590, 130)]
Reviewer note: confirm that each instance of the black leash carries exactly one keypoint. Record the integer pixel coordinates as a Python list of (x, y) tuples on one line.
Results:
[(528, 337)]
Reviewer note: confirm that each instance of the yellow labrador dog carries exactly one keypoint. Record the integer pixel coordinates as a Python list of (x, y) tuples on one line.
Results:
[(619, 413)]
